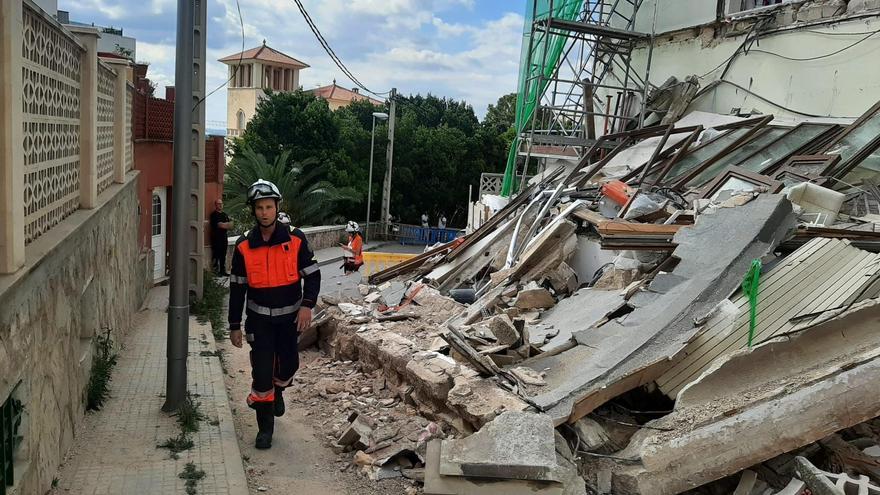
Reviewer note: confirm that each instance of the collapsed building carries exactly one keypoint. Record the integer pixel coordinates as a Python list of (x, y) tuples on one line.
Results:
[(687, 301)]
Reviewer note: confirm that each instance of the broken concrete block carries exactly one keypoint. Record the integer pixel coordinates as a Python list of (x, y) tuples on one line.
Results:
[(357, 434), (516, 445), (503, 330), (437, 484), (373, 297), (616, 279), (563, 279), (479, 401), (431, 374), (512, 312), (534, 297)]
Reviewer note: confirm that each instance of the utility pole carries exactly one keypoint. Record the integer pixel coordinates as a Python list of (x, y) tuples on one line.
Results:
[(178, 304), (386, 186)]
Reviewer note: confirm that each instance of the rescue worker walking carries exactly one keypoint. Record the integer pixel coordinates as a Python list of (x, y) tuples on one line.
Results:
[(268, 266), (354, 250)]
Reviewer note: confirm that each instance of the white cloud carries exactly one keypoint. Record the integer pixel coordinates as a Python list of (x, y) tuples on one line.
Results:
[(408, 44), (109, 8)]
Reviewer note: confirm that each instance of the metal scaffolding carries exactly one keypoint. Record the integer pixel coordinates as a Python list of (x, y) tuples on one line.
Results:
[(578, 77)]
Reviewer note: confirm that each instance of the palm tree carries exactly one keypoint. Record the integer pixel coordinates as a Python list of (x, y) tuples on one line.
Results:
[(309, 199)]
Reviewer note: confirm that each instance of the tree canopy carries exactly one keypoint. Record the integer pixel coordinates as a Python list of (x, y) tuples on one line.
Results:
[(440, 148)]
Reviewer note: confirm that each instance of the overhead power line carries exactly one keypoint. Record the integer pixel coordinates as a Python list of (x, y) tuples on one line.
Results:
[(332, 54)]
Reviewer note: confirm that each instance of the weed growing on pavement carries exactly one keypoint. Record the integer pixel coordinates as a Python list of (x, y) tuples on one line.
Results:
[(220, 355), (210, 307), (177, 444), (192, 475), (102, 368), (189, 414)]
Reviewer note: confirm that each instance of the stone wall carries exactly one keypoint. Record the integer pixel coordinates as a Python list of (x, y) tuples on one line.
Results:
[(87, 275)]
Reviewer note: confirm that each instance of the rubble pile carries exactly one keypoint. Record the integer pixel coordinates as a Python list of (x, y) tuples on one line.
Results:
[(681, 309), (364, 419)]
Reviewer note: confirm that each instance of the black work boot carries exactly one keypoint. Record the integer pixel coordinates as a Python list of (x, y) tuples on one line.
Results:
[(279, 402), (266, 425)]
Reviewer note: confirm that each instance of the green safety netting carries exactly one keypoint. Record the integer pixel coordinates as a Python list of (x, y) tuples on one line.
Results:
[(528, 90)]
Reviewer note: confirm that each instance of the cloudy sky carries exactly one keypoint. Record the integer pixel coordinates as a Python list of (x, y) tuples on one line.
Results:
[(465, 49)]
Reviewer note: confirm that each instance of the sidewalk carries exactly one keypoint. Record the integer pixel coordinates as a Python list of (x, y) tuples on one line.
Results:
[(116, 452)]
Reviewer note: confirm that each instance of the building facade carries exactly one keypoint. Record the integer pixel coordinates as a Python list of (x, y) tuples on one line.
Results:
[(790, 58), (71, 268), (153, 133), (251, 73)]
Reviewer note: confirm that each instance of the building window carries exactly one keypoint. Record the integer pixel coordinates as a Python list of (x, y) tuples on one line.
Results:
[(157, 215), (10, 439), (239, 119), (736, 6)]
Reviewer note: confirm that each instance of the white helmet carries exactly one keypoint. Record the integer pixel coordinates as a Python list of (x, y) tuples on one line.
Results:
[(284, 218), (262, 189), (352, 227)]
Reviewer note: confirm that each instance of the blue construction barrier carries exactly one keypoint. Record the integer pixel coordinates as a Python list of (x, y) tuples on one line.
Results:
[(412, 234)]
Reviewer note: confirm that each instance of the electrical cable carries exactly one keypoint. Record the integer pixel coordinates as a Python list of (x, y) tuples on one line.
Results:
[(331, 53), (762, 98), (817, 57), (237, 66)]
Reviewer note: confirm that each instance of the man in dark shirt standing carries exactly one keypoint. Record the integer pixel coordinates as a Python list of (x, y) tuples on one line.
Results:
[(220, 224)]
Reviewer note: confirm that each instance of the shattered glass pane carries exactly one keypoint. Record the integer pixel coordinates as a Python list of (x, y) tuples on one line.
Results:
[(694, 158), (850, 144), (737, 156), (788, 143)]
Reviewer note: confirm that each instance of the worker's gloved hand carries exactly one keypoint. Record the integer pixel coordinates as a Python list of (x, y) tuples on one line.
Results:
[(303, 319), (235, 337)]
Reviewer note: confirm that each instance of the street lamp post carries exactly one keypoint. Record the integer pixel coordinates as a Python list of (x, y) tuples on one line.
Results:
[(380, 116)]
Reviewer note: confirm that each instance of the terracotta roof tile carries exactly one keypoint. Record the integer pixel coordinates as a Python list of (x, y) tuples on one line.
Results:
[(336, 92), (267, 54)]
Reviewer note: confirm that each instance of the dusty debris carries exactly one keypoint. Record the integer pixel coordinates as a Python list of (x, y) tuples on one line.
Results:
[(662, 371), (533, 296), (515, 445)]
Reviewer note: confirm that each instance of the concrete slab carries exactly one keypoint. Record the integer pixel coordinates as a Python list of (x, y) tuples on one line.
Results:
[(628, 352), (578, 312), (516, 445), (437, 484)]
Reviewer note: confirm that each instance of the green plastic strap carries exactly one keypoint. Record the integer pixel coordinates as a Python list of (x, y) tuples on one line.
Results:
[(750, 288)]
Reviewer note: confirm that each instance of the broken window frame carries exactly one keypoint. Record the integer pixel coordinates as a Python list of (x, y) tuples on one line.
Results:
[(682, 150), (862, 153), (686, 150), (804, 149), (659, 154), (726, 160), (735, 172), (820, 165), (759, 124)]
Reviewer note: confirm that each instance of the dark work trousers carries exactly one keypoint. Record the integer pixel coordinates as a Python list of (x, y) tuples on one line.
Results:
[(218, 257), (274, 355)]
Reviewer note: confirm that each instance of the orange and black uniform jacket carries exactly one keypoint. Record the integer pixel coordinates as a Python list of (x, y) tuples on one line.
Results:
[(279, 273)]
